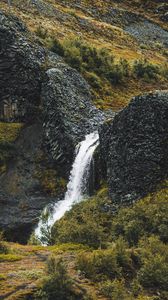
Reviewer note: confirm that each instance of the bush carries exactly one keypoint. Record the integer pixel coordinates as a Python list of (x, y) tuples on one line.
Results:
[(146, 70), (93, 80), (73, 57), (57, 47), (81, 225), (8, 133), (41, 32), (154, 273), (10, 257), (99, 265), (57, 285), (146, 217), (123, 257), (109, 263), (154, 257), (114, 290), (92, 62)]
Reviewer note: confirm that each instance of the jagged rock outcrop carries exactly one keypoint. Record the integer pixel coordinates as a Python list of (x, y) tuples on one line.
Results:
[(69, 114), (20, 71), (135, 147)]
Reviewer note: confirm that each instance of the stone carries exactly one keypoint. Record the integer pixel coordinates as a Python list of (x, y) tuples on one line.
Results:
[(20, 71), (134, 146), (69, 113)]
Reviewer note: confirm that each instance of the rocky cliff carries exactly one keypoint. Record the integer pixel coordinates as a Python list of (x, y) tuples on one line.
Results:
[(54, 104), (20, 71), (135, 146)]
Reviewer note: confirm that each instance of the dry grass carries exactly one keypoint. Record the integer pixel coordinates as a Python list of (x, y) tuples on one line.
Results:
[(69, 22), (20, 279)]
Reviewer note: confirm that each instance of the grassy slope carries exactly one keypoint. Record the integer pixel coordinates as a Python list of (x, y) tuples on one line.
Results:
[(22, 269), (69, 22)]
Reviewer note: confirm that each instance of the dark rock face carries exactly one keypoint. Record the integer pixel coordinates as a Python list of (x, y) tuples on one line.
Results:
[(69, 114), (20, 71), (21, 196), (55, 107), (135, 147)]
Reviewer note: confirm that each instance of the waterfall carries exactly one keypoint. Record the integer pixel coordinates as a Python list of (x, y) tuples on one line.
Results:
[(77, 181)]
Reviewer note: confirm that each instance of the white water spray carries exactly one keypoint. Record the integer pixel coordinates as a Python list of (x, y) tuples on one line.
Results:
[(78, 176)]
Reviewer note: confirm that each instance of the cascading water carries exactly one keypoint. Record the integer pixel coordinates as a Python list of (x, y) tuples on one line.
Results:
[(77, 181)]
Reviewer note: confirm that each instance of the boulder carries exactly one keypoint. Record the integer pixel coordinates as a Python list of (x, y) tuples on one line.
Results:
[(69, 113), (134, 147)]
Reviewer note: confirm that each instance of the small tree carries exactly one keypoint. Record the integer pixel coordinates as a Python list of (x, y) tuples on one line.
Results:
[(57, 285), (46, 237)]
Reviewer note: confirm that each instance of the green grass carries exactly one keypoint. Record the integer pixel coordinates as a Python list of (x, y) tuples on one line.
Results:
[(10, 257), (67, 247)]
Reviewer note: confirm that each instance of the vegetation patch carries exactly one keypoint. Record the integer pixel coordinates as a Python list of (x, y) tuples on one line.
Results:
[(57, 284), (67, 247), (109, 77), (8, 134), (29, 274), (51, 183), (10, 257), (129, 259)]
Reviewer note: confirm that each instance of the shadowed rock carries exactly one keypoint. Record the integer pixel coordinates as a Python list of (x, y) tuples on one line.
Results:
[(20, 71)]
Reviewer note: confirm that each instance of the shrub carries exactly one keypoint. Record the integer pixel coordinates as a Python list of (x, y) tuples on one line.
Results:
[(10, 257), (92, 62), (93, 80), (57, 285), (81, 225), (164, 71), (154, 273), (123, 257), (146, 217), (57, 47), (41, 32), (154, 270), (73, 57), (114, 290), (99, 264), (146, 70), (115, 75)]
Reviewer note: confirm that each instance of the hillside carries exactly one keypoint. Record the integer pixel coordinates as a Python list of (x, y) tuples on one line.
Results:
[(83, 150), (95, 248), (131, 32)]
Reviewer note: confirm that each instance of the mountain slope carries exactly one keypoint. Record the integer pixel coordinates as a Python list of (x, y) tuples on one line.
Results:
[(111, 25)]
